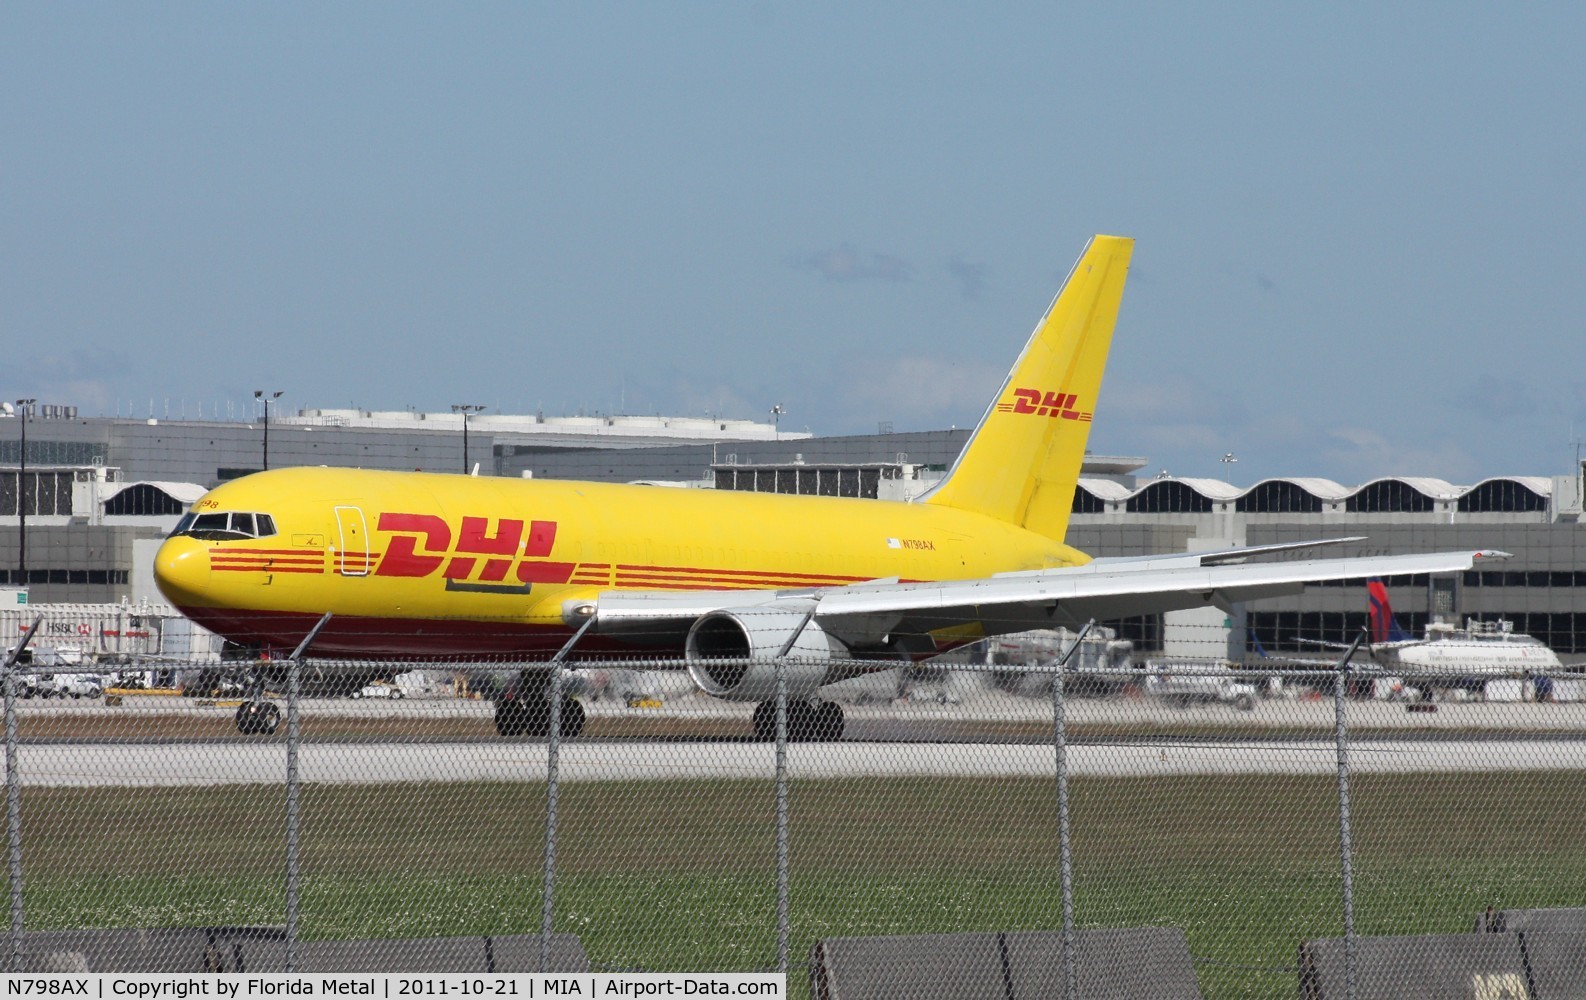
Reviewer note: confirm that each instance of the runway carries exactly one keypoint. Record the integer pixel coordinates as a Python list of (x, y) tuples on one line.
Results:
[(234, 762), (911, 720)]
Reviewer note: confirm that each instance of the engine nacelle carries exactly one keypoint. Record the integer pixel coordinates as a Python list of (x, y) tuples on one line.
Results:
[(732, 654)]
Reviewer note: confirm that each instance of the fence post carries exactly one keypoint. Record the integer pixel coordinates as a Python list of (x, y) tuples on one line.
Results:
[(553, 766), (293, 873), (782, 816), (14, 799), (1065, 856), (783, 894), (292, 787), (1346, 861)]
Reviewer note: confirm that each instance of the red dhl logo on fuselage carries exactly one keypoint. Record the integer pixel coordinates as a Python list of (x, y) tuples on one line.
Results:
[(1045, 404), (422, 543)]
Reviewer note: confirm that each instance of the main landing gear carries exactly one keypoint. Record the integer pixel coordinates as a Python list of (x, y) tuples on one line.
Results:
[(807, 721), (256, 716), (525, 708)]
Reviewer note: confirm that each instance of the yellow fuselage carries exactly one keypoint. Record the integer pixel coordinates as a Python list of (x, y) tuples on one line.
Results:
[(414, 563)]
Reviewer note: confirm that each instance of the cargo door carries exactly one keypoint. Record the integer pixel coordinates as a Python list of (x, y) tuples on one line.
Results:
[(354, 545)]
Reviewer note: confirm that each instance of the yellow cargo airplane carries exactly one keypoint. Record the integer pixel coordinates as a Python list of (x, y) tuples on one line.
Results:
[(421, 564)]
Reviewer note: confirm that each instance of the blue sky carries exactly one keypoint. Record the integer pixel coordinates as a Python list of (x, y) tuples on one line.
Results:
[(1360, 227)]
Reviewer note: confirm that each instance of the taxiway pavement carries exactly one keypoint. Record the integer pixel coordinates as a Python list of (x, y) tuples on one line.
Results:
[(236, 762)]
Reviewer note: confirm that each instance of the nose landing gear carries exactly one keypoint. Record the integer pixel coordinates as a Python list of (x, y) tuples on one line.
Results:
[(257, 716)]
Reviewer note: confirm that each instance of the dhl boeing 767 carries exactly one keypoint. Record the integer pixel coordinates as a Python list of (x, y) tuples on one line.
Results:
[(418, 564)]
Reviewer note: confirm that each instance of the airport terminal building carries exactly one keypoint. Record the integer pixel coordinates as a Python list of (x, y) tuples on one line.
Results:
[(98, 494)]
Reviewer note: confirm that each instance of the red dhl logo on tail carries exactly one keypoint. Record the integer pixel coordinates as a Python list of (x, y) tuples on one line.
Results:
[(1045, 404), (421, 543)]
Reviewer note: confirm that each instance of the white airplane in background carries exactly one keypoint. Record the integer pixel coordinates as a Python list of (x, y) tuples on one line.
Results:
[(1447, 656)]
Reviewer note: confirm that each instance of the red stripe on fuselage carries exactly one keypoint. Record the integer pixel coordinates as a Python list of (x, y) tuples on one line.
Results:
[(351, 636), (751, 574), (266, 552)]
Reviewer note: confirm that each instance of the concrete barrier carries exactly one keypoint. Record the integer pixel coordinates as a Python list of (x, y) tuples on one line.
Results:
[(1013, 965), (1121, 963), (1557, 963), (1564, 919), (970, 966), (521, 953), (1553, 942), (156, 949), (1422, 967)]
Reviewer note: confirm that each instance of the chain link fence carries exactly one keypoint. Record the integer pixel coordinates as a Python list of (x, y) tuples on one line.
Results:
[(1256, 807)]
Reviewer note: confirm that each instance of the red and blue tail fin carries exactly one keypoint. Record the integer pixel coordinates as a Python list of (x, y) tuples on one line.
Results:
[(1383, 626)]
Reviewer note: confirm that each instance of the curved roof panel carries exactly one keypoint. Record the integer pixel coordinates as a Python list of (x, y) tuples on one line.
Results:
[(1104, 489), (1437, 489), (1399, 495), (1316, 486), (1507, 494), (1280, 496), (186, 493), (1540, 485), (1170, 496), (1212, 489)]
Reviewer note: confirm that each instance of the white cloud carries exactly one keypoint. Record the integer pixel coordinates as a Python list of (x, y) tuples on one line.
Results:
[(1358, 454), (718, 400), (82, 379), (918, 391)]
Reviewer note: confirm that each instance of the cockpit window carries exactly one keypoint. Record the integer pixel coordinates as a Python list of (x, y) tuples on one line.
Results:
[(225, 526)]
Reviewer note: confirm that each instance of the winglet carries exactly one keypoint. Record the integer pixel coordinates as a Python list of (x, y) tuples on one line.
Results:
[(1022, 463)]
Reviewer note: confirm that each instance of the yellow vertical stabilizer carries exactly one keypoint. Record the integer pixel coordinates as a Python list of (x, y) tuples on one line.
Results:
[(1022, 463)]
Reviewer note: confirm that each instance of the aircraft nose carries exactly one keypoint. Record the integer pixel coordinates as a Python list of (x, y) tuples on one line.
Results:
[(181, 570)]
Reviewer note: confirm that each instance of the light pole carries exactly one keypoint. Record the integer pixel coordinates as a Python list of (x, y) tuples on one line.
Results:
[(465, 409), (776, 420), (22, 498), (260, 394)]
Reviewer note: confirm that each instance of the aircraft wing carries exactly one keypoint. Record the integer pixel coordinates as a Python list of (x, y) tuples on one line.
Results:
[(862, 613), (1211, 558)]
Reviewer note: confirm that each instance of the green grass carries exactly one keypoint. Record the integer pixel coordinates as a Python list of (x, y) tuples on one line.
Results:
[(681, 875)]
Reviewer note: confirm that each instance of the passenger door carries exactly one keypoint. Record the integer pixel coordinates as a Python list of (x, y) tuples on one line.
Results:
[(354, 544)]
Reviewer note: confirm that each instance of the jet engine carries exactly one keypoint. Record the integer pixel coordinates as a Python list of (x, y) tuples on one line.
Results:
[(732, 654)]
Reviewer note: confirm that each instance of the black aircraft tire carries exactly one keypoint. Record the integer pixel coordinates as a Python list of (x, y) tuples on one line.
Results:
[(269, 718), (828, 722), (764, 720), (258, 718), (572, 722), (536, 716), (512, 719), (801, 720)]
